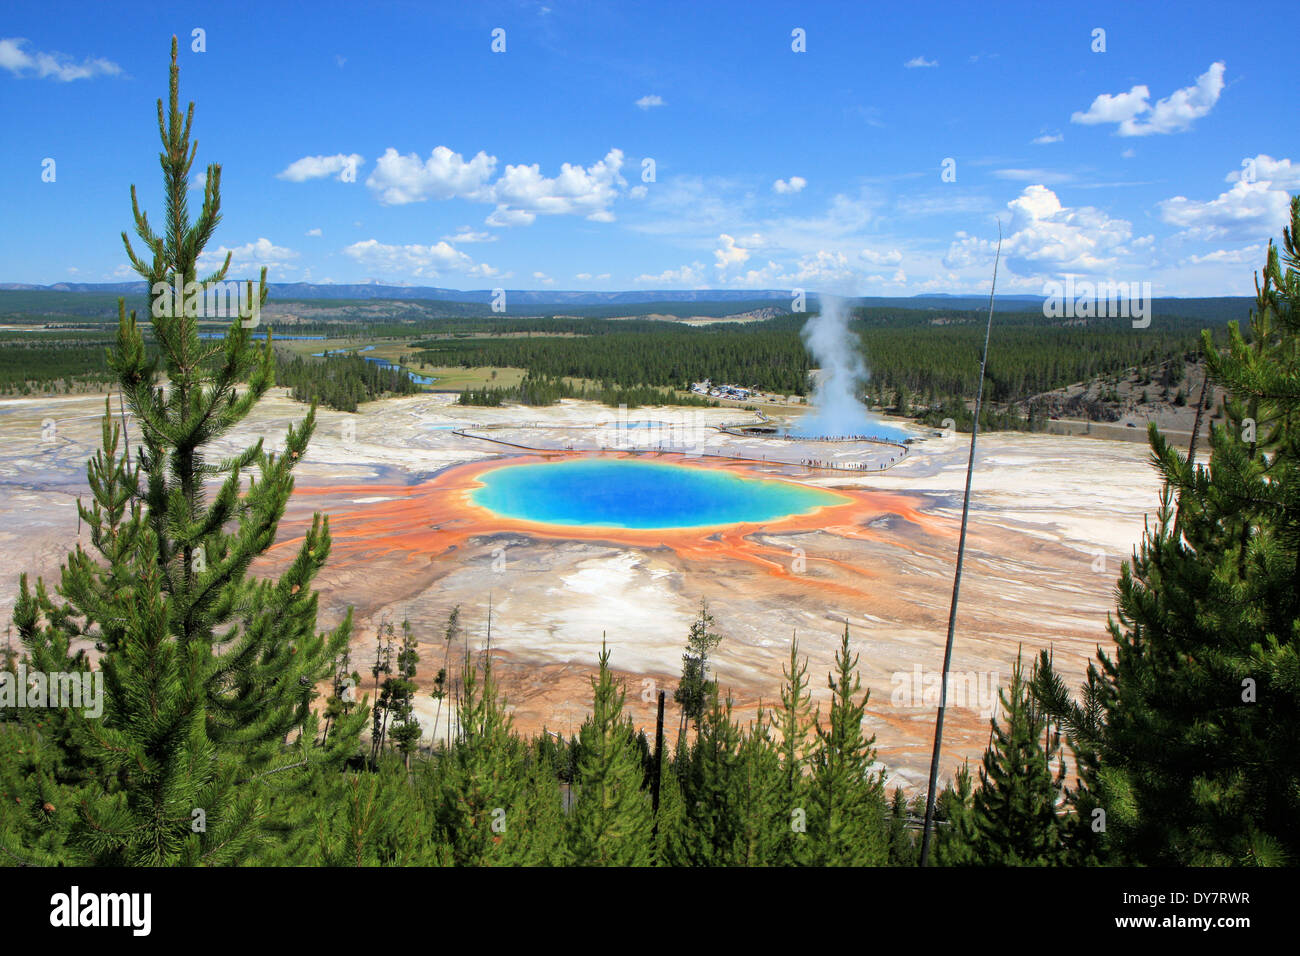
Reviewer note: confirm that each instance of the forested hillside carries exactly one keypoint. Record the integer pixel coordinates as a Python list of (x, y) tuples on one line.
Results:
[(914, 357), (917, 358)]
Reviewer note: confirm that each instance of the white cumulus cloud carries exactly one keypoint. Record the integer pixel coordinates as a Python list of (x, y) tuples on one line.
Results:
[(261, 252), (792, 185), (1135, 116), (729, 254), (891, 258), (342, 167), (1047, 238), (920, 61), (1281, 173), (523, 192), (1246, 211), (399, 179), (1253, 255), (651, 101)]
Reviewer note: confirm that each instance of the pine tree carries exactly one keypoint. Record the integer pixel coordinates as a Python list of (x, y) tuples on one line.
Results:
[(610, 823), (793, 722), (1081, 824), (1014, 819), (671, 843), (762, 810), (406, 726), (370, 819), (903, 850), (955, 836), (479, 815), (696, 690), (1192, 755), (440, 681), (208, 672), (380, 671), (845, 794), (542, 837), (711, 792), (342, 699)]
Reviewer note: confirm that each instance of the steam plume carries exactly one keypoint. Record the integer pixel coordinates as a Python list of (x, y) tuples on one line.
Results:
[(836, 408)]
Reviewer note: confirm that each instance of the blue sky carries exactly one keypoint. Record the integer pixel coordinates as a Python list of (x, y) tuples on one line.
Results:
[(388, 142)]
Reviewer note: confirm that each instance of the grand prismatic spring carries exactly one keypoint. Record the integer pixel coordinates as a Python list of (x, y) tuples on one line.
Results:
[(619, 493)]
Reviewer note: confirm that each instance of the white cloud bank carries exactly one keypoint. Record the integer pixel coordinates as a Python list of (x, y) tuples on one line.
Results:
[(414, 260), (342, 167), (521, 194), (51, 65)]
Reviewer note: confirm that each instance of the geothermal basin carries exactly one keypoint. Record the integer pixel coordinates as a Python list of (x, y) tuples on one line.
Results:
[(622, 493), (1051, 520)]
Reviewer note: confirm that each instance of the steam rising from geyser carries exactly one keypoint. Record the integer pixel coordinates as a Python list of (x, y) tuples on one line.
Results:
[(836, 410)]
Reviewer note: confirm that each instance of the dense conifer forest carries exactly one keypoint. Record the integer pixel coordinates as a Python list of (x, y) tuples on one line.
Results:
[(52, 362), (916, 359), (341, 381), (913, 357), (541, 390)]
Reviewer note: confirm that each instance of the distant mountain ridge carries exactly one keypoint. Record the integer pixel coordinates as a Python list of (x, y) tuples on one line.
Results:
[(368, 290), (1208, 306)]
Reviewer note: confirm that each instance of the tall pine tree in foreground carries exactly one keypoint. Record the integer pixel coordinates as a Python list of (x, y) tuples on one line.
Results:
[(696, 692), (846, 796), (210, 672), (610, 823), (479, 813), (793, 721), (1188, 735), (1013, 819)]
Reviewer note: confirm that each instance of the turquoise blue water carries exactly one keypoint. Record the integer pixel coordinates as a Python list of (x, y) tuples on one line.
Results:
[(382, 363), (417, 379), (623, 493), (867, 426)]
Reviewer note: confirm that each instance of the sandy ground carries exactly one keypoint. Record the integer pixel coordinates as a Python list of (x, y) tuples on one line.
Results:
[(1051, 520)]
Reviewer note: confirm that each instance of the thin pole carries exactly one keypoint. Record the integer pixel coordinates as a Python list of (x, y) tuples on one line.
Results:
[(659, 763), (1191, 447), (126, 436), (956, 578)]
